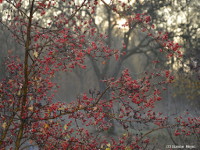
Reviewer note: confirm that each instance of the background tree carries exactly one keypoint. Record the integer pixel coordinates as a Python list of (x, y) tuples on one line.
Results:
[(138, 48)]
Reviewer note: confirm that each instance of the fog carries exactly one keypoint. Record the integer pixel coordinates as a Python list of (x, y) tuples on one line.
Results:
[(180, 97)]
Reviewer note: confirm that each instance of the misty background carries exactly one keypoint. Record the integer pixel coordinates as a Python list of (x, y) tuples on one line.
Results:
[(180, 18)]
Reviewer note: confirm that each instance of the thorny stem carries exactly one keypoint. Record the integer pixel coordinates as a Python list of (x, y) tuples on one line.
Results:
[(78, 108), (149, 132), (3, 136), (25, 85)]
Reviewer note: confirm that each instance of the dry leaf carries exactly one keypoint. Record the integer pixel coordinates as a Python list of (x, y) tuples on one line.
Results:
[(46, 125), (108, 144), (61, 108), (4, 125), (19, 93), (30, 108), (65, 127), (103, 62), (31, 98), (95, 108), (35, 53)]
